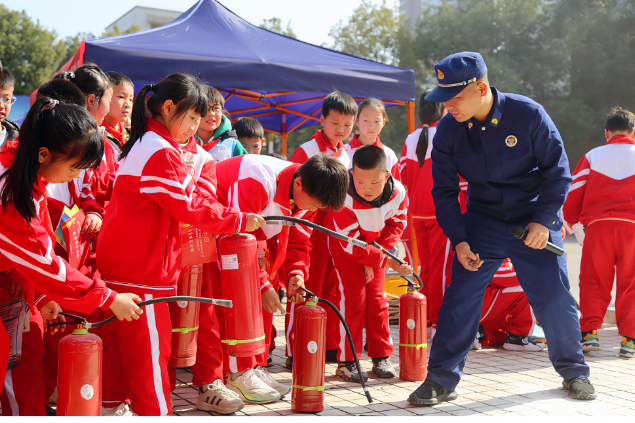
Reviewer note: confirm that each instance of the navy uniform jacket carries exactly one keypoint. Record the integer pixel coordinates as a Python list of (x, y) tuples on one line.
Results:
[(514, 163)]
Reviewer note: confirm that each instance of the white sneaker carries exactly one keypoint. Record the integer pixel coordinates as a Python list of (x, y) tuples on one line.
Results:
[(122, 410), (217, 398), (523, 343), (251, 389), (266, 377), (477, 344)]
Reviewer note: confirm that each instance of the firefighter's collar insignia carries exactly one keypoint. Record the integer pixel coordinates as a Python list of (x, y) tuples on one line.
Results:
[(511, 141)]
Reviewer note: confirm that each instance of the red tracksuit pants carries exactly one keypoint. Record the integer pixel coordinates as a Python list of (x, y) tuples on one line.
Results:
[(136, 356), (435, 258), (505, 310), (23, 390), (607, 255), (362, 303)]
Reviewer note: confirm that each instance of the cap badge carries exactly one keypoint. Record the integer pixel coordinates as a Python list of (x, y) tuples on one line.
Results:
[(441, 76), (511, 141)]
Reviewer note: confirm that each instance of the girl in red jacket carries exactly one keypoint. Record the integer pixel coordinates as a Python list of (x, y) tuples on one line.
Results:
[(140, 243), (56, 142)]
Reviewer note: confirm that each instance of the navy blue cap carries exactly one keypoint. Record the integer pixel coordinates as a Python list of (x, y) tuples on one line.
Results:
[(456, 72)]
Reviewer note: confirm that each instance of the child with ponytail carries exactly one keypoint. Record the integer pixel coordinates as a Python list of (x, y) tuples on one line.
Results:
[(435, 251), (56, 142), (140, 244)]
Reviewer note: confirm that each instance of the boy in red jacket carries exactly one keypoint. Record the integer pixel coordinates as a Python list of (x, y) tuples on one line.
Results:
[(270, 186), (375, 210), (601, 199)]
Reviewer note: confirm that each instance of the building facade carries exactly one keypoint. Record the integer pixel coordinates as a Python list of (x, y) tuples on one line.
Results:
[(144, 17)]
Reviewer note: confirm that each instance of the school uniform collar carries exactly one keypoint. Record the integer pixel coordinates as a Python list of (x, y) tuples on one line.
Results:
[(324, 144), (160, 130), (620, 139), (495, 114), (356, 143), (283, 183), (190, 147)]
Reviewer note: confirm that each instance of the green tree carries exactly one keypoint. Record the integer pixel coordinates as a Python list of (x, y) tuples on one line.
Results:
[(275, 25), (117, 31), (29, 50)]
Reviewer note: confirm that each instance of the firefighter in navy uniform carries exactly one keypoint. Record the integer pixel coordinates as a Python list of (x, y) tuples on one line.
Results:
[(512, 156)]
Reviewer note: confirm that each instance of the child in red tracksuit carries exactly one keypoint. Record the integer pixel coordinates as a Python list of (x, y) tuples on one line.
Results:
[(56, 142), (506, 317), (139, 246), (338, 117), (435, 251), (120, 108), (270, 186), (602, 199), (375, 210), (371, 119)]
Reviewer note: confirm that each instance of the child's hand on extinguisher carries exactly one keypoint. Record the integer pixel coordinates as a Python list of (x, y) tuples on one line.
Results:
[(393, 264), (295, 283), (125, 307), (271, 301), (254, 222)]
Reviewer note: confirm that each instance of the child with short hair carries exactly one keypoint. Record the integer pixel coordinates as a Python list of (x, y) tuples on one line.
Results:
[(215, 133), (120, 108), (375, 210), (155, 192), (371, 119), (250, 134), (8, 129), (601, 199)]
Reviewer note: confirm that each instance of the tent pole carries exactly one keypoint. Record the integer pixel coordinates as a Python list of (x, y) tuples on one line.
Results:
[(410, 106), (284, 134)]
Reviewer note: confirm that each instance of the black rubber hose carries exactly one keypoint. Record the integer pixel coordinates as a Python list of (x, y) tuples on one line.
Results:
[(337, 235), (350, 341), (400, 261)]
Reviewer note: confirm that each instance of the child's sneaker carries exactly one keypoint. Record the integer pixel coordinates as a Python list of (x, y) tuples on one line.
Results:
[(288, 363), (522, 343), (383, 368), (269, 360), (122, 410), (347, 370), (217, 398), (628, 347), (590, 341), (266, 377), (251, 389)]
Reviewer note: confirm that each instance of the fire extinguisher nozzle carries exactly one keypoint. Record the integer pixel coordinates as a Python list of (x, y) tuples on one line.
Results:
[(224, 303)]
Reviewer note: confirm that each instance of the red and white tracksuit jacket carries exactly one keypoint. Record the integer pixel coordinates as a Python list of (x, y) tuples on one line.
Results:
[(505, 307), (261, 184), (434, 249), (601, 197), (391, 157), (103, 178), (320, 144), (140, 249), (360, 273)]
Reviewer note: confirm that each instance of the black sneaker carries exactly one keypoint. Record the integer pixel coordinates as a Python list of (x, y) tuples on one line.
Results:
[(431, 393), (382, 368), (627, 348), (590, 341), (522, 343), (331, 356), (366, 347), (269, 360), (579, 388), (347, 370), (50, 411), (289, 363)]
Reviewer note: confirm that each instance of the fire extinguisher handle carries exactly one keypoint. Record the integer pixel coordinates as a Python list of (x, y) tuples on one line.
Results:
[(400, 261)]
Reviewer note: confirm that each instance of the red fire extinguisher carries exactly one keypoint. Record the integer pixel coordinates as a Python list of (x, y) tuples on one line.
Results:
[(79, 374), (413, 347), (309, 358), (184, 315), (239, 277)]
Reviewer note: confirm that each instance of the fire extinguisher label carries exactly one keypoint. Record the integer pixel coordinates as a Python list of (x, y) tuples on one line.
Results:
[(312, 347), (229, 261), (410, 323), (87, 392)]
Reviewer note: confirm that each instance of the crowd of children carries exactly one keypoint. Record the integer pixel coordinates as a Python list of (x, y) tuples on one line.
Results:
[(139, 166)]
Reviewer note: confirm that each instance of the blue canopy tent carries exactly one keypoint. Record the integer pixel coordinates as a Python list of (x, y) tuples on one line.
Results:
[(279, 80)]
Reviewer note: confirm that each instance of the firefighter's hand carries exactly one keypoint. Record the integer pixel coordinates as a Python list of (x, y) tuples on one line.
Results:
[(467, 258), (271, 301), (295, 283), (537, 237), (393, 264), (125, 307), (254, 222), (50, 314), (92, 225), (14, 288)]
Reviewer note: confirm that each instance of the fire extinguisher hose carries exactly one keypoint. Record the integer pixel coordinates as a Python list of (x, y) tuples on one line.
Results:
[(350, 341), (279, 219)]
